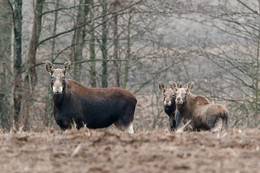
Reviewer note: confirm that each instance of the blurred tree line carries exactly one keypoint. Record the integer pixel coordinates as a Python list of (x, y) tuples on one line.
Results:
[(133, 45)]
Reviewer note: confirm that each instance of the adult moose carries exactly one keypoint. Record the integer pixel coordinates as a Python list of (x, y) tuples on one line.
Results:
[(203, 114), (169, 103), (95, 107)]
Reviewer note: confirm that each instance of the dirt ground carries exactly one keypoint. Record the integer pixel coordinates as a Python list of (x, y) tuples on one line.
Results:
[(110, 150)]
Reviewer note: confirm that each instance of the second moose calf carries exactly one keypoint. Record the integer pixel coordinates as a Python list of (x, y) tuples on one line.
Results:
[(203, 114)]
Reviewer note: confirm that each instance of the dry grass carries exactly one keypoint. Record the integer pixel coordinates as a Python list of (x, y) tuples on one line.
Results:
[(110, 150)]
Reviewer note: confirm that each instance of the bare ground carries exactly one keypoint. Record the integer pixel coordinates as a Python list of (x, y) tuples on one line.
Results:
[(110, 150)]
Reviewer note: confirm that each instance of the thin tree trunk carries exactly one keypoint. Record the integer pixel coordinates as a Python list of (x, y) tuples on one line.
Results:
[(128, 51), (104, 44), (6, 102), (79, 39), (54, 30), (257, 72), (92, 46), (49, 101), (31, 75), (17, 95), (116, 43), (257, 79)]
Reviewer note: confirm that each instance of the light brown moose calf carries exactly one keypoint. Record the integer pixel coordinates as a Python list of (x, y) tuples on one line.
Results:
[(203, 114)]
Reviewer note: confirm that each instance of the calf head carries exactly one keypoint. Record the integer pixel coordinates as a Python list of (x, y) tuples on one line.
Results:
[(58, 76), (181, 93), (180, 99), (168, 95), (169, 102)]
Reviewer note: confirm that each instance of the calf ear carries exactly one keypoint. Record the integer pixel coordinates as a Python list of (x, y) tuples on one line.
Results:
[(49, 67), (179, 85), (66, 66), (173, 85), (162, 86), (190, 86)]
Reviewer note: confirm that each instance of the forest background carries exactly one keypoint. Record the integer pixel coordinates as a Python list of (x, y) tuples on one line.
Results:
[(129, 44)]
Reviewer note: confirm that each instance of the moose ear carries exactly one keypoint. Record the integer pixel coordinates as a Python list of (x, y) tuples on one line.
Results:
[(162, 86), (49, 67), (173, 85), (66, 66), (190, 86), (179, 85)]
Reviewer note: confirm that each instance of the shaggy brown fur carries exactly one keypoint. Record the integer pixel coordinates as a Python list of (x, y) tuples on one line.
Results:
[(203, 114)]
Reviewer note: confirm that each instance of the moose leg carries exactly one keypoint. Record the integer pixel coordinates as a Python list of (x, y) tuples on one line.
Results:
[(189, 126), (129, 128), (172, 123), (218, 125), (125, 122), (180, 130), (177, 119)]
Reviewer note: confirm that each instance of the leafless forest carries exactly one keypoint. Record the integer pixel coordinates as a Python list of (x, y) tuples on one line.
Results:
[(133, 45)]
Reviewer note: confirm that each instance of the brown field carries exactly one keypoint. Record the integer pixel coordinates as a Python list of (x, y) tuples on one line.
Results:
[(110, 150)]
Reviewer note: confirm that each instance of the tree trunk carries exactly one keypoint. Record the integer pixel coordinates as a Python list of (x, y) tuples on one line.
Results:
[(104, 44), (128, 51), (116, 43), (54, 30), (49, 101), (257, 71), (78, 41), (92, 46), (17, 22), (31, 75), (6, 102)]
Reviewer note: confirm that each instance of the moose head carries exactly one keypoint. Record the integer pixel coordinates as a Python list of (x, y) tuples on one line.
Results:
[(182, 93), (58, 76)]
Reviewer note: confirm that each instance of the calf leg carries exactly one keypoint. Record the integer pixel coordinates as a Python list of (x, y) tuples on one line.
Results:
[(180, 130), (218, 125), (172, 123)]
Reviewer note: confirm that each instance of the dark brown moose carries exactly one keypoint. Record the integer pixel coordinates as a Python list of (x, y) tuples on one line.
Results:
[(203, 114), (95, 107), (169, 103)]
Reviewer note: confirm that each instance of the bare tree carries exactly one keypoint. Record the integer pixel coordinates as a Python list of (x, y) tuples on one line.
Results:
[(128, 48), (49, 103), (115, 7), (79, 38), (92, 45), (6, 87), (103, 45), (30, 80), (17, 18), (238, 60)]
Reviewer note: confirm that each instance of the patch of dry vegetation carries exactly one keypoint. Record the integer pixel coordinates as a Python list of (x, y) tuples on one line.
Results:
[(109, 150)]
